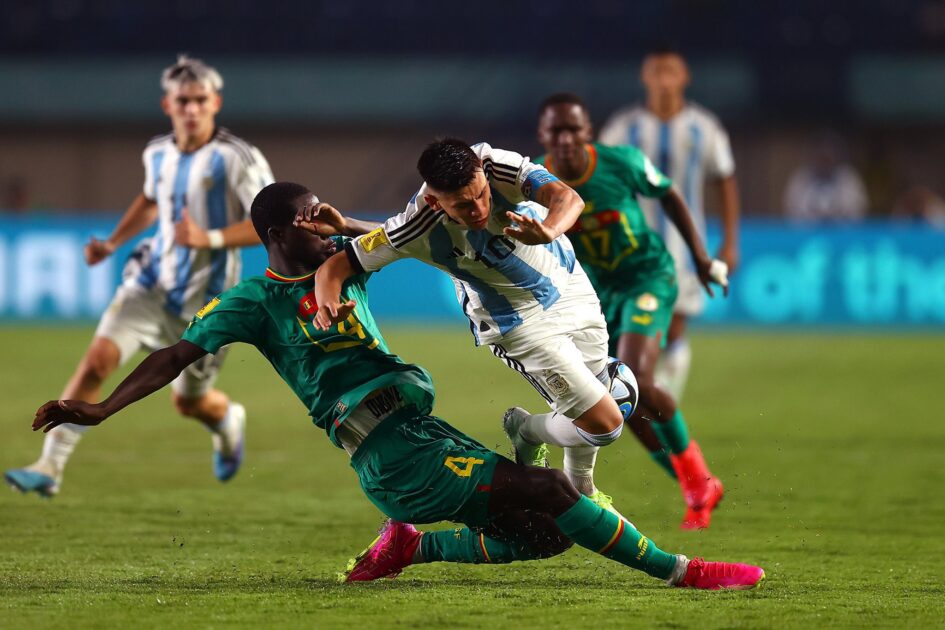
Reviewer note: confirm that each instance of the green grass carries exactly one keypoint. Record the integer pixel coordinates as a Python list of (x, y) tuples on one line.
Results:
[(830, 448)]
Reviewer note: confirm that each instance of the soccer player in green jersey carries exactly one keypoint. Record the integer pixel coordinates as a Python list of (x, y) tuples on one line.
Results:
[(413, 466), (635, 278)]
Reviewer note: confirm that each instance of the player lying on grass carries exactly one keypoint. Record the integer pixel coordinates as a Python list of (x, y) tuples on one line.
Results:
[(495, 222), (635, 278), (412, 466)]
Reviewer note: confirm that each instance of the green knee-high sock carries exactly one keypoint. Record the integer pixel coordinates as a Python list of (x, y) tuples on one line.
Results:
[(661, 457), (469, 547), (609, 535), (674, 434)]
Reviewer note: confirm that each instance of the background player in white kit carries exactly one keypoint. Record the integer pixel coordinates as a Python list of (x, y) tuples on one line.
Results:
[(687, 143), (495, 222), (199, 184)]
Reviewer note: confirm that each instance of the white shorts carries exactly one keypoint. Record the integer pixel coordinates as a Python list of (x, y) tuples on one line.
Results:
[(136, 319), (691, 298), (561, 353)]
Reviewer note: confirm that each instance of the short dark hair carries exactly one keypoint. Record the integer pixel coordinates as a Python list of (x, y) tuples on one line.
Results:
[(562, 98), (664, 48), (274, 207), (448, 164)]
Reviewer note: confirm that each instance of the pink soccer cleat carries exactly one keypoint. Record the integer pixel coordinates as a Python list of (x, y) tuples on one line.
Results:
[(699, 518), (387, 556), (713, 576)]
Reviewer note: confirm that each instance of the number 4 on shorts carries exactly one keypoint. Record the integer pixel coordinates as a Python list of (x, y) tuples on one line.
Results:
[(462, 466)]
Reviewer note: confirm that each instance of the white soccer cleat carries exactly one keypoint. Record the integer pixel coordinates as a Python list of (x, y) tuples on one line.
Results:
[(525, 453), (228, 443)]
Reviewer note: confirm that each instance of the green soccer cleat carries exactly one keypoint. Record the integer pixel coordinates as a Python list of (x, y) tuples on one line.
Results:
[(525, 453)]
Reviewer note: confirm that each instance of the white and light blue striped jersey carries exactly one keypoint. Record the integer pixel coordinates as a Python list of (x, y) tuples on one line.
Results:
[(500, 282), (690, 148), (216, 184)]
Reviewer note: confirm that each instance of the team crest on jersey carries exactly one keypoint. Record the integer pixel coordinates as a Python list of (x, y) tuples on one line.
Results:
[(373, 239), (648, 302), (556, 383), (308, 306), (209, 306)]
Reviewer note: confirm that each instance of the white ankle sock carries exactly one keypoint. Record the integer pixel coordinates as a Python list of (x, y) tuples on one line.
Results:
[(58, 447), (579, 467)]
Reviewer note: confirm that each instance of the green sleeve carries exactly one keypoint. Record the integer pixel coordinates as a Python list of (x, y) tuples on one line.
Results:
[(225, 319), (642, 174)]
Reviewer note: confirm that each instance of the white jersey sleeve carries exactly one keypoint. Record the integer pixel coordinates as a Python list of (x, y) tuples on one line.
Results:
[(720, 162), (250, 174), (152, 158), (511, 174), (399, 237)]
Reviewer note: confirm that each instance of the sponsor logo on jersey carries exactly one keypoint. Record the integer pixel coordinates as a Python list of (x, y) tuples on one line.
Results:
[(209, 306), (648, 302), (373, 239), (643, 320), (556, 383)]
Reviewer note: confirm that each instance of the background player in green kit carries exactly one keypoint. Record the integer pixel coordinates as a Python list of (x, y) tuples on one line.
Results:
[(412, 466), (634, 276)]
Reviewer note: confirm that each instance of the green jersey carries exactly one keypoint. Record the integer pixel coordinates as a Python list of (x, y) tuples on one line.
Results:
[(611, 238), (330, 371)]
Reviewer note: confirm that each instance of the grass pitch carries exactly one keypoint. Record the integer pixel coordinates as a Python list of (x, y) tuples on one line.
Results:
[(831, 449)]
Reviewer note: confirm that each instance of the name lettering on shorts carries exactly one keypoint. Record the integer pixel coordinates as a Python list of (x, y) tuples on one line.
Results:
[(462, 466), (385, 401)]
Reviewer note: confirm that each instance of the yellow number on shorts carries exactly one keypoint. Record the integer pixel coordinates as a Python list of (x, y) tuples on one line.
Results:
[(467, 465)]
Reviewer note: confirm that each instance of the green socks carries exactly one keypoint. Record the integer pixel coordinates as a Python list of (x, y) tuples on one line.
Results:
[(466, 546), (661, 457), (609, 535), (674, 434)]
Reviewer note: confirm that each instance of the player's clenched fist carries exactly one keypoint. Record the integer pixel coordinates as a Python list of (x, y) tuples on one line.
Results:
[(96, 251), (57, 412)]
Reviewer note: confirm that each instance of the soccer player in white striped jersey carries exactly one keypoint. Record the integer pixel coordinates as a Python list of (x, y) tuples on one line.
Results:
[(689, 144), (200, 181), (495, 222)]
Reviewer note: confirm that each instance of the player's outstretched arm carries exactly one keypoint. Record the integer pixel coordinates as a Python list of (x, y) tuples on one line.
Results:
[(156, 371), (328, 282), (729, 251), (709, 270), (325, 220), (188, 234), (564, 207), (141, 213)]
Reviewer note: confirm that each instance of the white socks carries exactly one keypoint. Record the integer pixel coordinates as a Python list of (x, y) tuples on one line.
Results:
[(672, 370), (228, 432), (551, 428), (579, 467), (57, 448)]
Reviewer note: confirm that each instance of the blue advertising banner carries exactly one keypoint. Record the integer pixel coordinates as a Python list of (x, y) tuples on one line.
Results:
[(870, 276)]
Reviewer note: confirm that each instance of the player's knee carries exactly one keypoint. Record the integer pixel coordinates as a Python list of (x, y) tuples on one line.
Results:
[(601, 439), (551, 488), (186, 405)]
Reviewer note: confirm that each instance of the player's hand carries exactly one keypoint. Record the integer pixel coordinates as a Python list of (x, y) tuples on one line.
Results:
[(529, 231), (321, 218), (331, 313), (188, 234), (96, 251), (729, 254), (713, 271), (57, 412)]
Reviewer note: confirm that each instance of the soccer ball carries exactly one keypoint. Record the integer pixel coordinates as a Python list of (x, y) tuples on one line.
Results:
[(623, 387)]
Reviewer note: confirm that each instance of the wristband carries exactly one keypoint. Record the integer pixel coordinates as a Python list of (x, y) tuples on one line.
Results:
[(216, 239)]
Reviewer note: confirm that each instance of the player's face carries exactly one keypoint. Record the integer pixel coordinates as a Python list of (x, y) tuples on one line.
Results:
[(192, 108), (563, 130), (664, 76), (301, 246), (469, 205)]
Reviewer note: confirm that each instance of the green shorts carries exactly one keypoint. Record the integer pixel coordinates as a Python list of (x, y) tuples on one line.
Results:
[(643, 308), (419, 469)]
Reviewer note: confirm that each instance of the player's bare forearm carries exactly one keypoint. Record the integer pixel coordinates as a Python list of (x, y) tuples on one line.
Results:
[(730, 210), (564, 206), (678, 212), (328, 282), (241, 234), (141, 213), (357, 227), (156, 371)]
